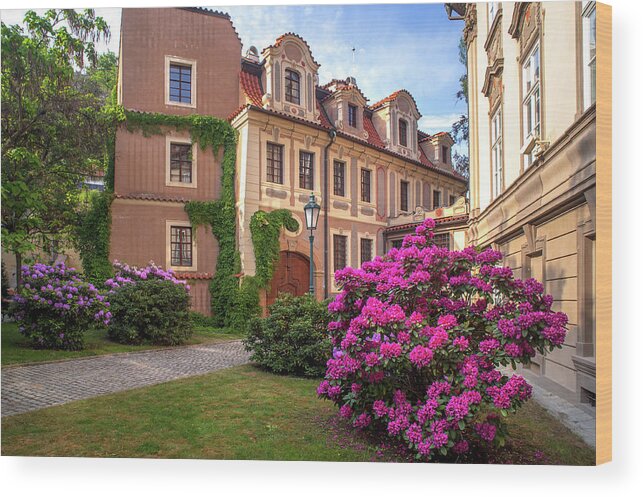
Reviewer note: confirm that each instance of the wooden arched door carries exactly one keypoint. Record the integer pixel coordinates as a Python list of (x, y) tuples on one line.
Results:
[(292, 275)]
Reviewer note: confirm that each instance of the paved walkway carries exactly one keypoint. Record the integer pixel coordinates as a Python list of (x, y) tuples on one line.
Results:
[(27, 388), (581, 420)]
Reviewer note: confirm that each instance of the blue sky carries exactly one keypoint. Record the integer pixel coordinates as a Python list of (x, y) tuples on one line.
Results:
[(412, 46)]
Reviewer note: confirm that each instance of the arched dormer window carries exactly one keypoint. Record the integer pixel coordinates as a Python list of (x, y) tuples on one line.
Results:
[(292, 87), (403, 132)]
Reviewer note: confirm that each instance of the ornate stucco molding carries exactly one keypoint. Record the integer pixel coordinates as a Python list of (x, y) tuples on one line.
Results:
[(470, 30)]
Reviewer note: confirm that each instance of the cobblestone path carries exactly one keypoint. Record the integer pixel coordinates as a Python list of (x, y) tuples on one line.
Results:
[(27, 388)]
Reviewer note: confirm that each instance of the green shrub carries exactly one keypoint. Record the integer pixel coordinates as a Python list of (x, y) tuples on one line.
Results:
[(55, 307), (293, 338), (199, 320), (150, 311)]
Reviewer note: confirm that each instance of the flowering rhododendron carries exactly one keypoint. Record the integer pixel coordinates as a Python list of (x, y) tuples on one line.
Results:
[(418, 338), (125, 274), (54, 307)]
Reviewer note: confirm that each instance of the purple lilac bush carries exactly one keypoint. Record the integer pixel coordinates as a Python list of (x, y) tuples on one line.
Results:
[(125, 274), (55, 307), (418, 337)]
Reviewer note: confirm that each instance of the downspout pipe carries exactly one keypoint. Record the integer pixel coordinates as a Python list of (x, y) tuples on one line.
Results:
[(332, 135)]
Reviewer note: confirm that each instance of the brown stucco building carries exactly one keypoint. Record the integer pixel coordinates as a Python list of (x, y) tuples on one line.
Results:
[(369, 166), (148, 209)]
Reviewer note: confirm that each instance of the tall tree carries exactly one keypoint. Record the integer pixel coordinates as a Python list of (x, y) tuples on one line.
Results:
[(52, 125), (460, 129)]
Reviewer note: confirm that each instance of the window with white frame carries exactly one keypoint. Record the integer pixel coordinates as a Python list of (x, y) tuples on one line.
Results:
[(403, 132), (437, 199), (352, 115), (496, 152), (404, 196), (275, 163), (339, 178), (365, 250), (181, 245), (293, 87), (180, 81), (306, 160), (180, 162), (340, 252), (589, 53), (442, 240), (531, 102)]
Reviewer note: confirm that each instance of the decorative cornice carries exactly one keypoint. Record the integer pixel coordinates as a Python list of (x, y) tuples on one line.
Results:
[(494, 70), (470, 24), (492, 30), (519, 10)]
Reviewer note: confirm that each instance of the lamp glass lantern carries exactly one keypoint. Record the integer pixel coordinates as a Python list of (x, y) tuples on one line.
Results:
[(311, 213)]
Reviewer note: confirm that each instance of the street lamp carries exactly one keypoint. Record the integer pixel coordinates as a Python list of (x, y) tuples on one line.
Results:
[(311, 213)]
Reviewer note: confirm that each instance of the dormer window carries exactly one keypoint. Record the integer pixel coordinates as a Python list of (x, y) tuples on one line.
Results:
[(445, 153), (403, 132), (292, 87), (352, 115)]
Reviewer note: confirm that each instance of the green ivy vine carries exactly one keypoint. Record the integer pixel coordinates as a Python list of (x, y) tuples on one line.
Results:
[(92, 237), (93, 229), (232, 302), (264, 230), (208, 132)]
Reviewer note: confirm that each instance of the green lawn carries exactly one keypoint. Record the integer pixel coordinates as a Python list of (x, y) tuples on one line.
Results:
[(241, 413), (15, 349)]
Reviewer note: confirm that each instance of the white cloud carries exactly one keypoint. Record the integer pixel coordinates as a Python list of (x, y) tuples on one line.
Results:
[(435, 123)]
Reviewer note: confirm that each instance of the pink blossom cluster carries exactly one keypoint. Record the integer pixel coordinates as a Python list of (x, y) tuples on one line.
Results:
[(419, 335), (125, 274)]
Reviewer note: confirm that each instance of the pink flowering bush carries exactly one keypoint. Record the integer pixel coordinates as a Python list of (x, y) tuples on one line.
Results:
[(418, 337), (149, 305), (125, 274), (55, 307)]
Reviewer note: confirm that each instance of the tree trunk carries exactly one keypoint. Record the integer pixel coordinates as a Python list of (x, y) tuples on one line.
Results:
[(18, 270)]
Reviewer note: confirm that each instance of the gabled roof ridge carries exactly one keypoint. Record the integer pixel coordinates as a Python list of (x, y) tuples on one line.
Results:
[(392, 97), (345, 85), (213, 13), (281, 38)]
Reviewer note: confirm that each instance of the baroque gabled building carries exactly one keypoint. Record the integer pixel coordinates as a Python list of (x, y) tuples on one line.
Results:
[(369, 166), (532, 118)]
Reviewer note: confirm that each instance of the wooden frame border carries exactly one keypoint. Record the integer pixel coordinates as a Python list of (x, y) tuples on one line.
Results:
[(603, 233)]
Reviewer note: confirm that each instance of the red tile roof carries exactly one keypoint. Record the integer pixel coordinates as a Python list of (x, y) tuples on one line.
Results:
[(323, 117), (252, 87), (373, 136), (424, 159), (392, 97), (193, 276), (439, 220), (340, 84), (151, 196), (386, 100), (237, 112)]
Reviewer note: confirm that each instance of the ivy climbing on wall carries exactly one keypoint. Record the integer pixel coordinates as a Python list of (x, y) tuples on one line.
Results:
[(265, 228), (208, 132), (93, 228), (92, 237), (232, 303)]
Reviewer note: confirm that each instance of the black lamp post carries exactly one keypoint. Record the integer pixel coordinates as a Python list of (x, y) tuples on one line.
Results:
[(311, 212)]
